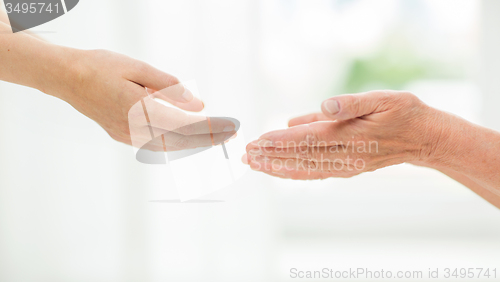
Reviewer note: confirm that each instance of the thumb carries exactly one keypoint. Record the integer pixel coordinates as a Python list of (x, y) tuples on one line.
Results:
[(351, 106), (169, 86)]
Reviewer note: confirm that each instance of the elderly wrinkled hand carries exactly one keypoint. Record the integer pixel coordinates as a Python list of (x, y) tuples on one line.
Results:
[(353, 134)]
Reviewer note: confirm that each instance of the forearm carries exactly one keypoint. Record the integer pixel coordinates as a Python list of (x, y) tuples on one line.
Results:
[(486, 194), (470, 154), (4, 18), (28, 61)]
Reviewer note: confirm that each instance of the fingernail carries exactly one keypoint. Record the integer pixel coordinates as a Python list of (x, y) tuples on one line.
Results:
[(255, 152), (332, 106), (187, 95), (228, 128)]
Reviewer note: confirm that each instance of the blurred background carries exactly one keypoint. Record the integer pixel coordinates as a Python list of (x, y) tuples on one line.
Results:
[(76, 206)]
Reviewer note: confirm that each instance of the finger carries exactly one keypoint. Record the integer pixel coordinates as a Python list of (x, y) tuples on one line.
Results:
[(195, 105), (327, 166), (317, 134), (146, 144), (307, 153), (167, 84), (210, 125), (298, 175), (175, 93), (157, 145), (180, 141), (288, 174), (307, 119), (304, 174), (351, 106), (171, 119), (154, 147), (172, 141)]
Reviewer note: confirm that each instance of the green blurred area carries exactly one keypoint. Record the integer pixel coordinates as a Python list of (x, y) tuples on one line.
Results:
[(393, 66)]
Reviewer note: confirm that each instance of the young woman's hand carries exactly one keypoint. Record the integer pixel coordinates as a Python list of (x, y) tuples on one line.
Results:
[(118, 93)]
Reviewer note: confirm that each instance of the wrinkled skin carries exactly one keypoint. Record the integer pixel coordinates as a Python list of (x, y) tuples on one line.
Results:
[(363, 132), (371, 131)]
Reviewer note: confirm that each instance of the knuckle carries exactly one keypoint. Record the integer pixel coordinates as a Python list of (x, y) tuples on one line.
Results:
[(386, 97), (315, 153), (313, 164), (171, 80), (311, 139), (408, 95), (141, 67), (409, 98), (352, 104), (398, 100), (305, 153)]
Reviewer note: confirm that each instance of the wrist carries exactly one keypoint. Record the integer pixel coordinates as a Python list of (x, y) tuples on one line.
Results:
[(445, 138), (434, 132)]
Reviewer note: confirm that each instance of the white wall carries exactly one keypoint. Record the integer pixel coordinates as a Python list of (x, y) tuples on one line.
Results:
[(490, 62), (76, 206)]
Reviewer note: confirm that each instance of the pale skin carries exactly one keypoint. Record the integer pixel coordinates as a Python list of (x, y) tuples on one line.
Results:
[(400, 129), (105, 86)]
